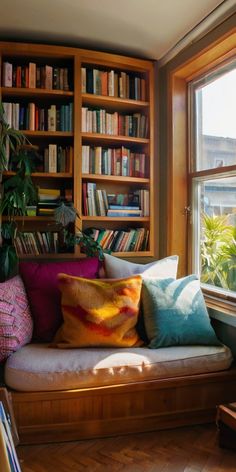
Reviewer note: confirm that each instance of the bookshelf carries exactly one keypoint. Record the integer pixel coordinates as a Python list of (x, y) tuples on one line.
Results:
[(74, 104)]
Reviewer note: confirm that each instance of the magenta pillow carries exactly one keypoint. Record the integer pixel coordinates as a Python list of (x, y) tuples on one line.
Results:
[(16, 324), (44, 296)]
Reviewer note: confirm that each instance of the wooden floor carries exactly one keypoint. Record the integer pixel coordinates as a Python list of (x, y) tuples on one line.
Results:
[(189, 449)]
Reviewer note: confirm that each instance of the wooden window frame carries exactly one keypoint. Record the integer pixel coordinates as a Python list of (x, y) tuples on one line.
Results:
[(178, 173)]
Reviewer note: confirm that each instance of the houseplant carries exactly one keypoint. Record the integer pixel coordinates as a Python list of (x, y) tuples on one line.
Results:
[(67, 214), (218, 252), (16, 192)]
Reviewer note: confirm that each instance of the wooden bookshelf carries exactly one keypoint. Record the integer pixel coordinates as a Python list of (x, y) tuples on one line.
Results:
[(129, 93)]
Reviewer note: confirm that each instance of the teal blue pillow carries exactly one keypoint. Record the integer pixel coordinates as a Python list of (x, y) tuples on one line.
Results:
[(175, 313)]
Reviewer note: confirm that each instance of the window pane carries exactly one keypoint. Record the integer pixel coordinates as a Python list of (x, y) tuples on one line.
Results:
[(215, 121), (218, 232)]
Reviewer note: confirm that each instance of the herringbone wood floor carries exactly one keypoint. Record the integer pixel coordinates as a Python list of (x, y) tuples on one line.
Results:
[(189, 449)]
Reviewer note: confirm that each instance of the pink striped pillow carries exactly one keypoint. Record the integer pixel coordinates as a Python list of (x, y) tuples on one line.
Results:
[(16, 325)]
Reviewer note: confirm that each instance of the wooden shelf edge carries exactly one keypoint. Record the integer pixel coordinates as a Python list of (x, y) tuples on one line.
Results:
[(65, 255), (50, 134), (132, 254), (114, 137), (126, 102), (117, 178), (21, 91), (60, 175), (116, 218)]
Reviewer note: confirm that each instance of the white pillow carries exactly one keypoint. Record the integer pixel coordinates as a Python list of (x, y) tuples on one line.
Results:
[(117, 268)]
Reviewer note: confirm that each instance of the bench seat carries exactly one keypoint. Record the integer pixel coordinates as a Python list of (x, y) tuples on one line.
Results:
[(38, 367)]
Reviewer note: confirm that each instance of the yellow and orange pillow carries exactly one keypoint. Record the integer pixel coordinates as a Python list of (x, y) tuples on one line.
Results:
[(99, 312)]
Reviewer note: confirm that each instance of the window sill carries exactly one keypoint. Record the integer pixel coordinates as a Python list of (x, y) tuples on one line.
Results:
[(221, 307), (227, 318)]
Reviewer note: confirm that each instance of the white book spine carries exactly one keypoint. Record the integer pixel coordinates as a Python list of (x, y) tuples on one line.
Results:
[(52, 157), (7, 74)]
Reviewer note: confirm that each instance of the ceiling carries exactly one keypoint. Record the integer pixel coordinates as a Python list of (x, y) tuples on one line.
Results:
[(144, 28)]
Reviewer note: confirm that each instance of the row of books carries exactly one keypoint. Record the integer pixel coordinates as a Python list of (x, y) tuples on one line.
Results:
[(96, 202), (113, 161), (33, 118), (37, 242), (32, 75), (100, 121), (57, 158), (49, 199), (111, 83), (121, 240)]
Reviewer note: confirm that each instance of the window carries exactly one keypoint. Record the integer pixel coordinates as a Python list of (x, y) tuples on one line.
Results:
[(212, 105)]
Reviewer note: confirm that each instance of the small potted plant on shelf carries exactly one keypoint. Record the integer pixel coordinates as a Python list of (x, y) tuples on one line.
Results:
[(65, 215), (16, 192)]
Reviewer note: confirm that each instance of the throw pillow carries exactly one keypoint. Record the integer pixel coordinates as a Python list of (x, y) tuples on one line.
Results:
[(16, 324), (44, 296), (99, 312), (175, 313), (117, 268)]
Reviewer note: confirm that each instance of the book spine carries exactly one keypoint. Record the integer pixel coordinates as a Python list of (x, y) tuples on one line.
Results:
[(7, 74), (52, 155)]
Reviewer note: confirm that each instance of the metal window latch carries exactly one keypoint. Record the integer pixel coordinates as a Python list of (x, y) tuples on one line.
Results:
[(187, 210)]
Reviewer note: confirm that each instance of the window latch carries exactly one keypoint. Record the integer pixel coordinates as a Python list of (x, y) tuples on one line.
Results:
[(187, 210)]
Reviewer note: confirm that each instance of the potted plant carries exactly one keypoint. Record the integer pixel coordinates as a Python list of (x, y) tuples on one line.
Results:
[(65, 215), (16, 192)]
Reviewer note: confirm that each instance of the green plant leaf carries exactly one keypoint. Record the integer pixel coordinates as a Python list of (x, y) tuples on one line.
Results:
[(8, 262)]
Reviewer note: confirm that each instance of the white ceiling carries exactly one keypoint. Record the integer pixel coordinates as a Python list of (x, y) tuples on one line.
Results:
[(146, 28)]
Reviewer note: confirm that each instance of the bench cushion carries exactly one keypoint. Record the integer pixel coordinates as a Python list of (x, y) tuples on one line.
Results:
[(38, 367)]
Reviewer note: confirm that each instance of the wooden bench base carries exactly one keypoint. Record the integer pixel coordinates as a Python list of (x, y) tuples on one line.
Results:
[(113, 410)]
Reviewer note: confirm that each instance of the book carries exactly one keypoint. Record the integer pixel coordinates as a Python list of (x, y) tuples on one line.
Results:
[(32, 75), (7, 74), (52, 113), (48, 77), (124, 213), (83, 79), (32, 116), (52, 158), (9, 459)]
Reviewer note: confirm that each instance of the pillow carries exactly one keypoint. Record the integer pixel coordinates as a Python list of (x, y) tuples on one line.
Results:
[(16, 324), (44, 296), (99, 312), (175, 313), (118, 268)]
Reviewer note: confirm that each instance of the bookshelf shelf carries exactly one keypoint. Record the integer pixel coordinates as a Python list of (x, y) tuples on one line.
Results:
[(116, 179), (112, 139), (115, 103), (35, 93), (131, 254), (48, 134), (112, 112), (47, 256), (45, 175), (116, 218), (26, 219)]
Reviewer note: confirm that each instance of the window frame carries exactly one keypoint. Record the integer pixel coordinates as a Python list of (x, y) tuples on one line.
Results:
[(179, 173)]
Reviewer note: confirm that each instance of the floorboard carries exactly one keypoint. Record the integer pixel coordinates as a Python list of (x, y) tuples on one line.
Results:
[(189, 449)]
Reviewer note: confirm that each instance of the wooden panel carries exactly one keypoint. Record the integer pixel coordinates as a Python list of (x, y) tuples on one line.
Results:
[(177, 177), (110, 410)]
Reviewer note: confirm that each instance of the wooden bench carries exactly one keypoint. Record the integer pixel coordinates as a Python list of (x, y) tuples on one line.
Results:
[(119, 409)]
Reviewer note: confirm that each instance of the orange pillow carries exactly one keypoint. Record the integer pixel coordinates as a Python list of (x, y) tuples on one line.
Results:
[(99, 312)]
